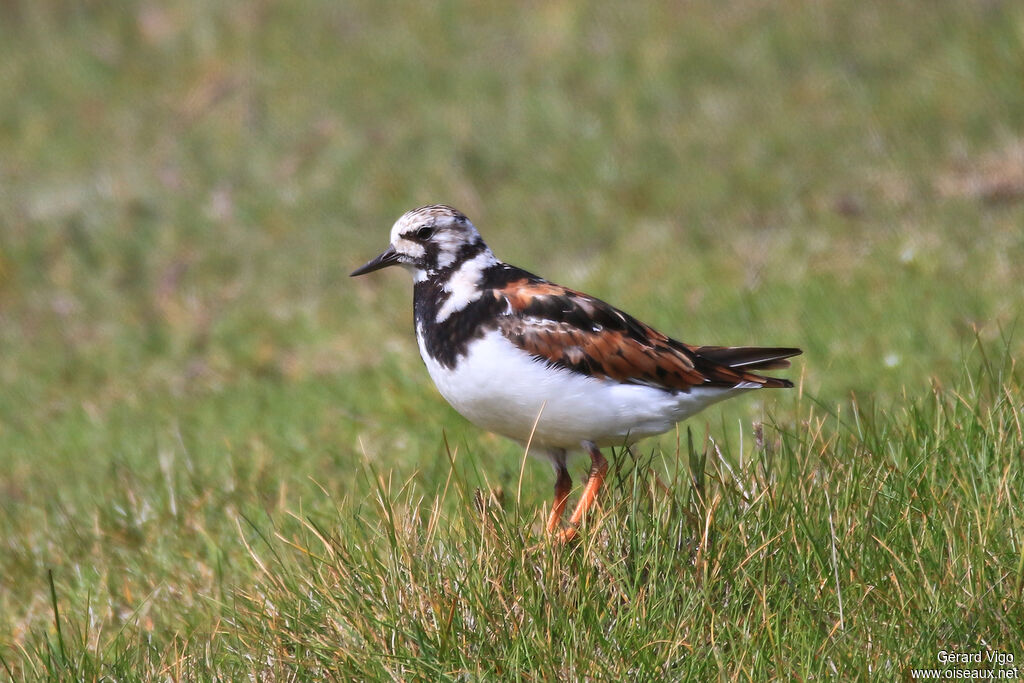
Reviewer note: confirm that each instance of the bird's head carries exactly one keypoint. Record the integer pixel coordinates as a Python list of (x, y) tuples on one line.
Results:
[(428, 240)]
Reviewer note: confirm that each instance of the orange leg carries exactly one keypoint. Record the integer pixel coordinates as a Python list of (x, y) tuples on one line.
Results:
[(563, 485), (598, 469)]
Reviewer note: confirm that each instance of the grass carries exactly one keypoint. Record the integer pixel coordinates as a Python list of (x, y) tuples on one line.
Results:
[(222, 459), (781, 567)]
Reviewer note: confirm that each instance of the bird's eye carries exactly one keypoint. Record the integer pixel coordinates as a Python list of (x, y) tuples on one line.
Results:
[(424, 233)]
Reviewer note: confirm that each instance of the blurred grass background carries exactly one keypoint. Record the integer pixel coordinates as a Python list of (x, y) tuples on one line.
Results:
[(184, 187)]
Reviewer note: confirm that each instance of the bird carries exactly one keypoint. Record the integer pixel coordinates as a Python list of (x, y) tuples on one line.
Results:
[(551, 367)]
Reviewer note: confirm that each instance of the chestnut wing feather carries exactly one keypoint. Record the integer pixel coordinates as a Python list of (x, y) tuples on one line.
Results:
[(577, 332)]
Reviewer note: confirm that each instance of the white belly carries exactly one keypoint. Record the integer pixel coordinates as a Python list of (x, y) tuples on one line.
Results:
[(502, 389)]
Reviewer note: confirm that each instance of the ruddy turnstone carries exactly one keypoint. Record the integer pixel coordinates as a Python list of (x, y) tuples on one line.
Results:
[(545, 364)]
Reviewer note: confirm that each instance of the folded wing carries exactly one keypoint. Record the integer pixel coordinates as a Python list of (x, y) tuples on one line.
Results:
[(575, 331)]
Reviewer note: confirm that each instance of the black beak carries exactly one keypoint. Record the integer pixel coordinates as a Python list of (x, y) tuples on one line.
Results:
[(388, 258)]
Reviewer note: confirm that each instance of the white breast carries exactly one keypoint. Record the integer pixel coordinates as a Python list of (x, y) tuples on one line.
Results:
[(502, 389)]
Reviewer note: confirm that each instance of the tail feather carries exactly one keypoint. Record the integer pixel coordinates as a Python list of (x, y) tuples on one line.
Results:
[(747, 358)]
